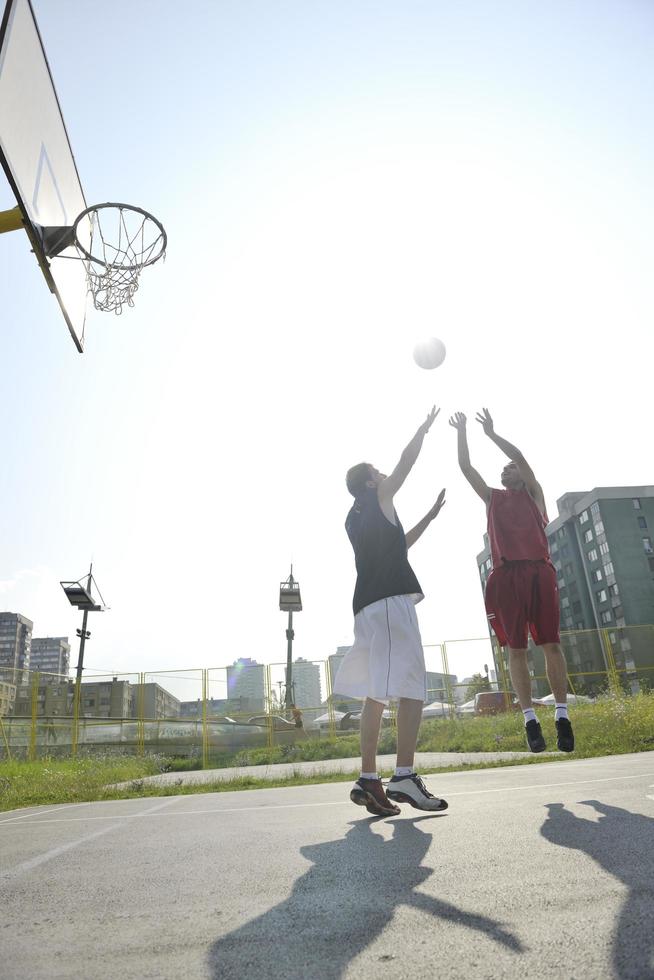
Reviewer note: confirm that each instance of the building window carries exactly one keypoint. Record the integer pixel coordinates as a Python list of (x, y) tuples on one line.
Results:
[(561, 532), (568, 569), (601, 595), (613, 589), (647, 545), (636, 502), (608, 568), (594, 509), (588, 536), (565, 602), (553, 545), (592, 555), (604, 548), (583, 517), (599, 528), (488, 563), (576, 608), (597, 574), (618, 612), (651, 564), (565, 551), (642, 522), (605, 616)]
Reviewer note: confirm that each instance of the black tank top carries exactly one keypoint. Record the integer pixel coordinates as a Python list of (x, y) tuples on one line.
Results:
[(380, 553)]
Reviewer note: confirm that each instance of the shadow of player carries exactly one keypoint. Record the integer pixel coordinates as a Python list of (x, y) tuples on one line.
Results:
[(340, 906), (623, 844)]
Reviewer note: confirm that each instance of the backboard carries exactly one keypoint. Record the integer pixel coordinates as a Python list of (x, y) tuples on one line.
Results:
[(36, 155)]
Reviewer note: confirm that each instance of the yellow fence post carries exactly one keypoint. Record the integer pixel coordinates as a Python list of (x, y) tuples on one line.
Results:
[(4, 738), (330, 699), (613, 679), (140, 711), (269, 706), (205, 720), (74, 735), (448, 686), (35, 709)]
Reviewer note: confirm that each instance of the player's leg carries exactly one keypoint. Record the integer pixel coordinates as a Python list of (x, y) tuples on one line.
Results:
[(371, 717), (403, 674), (544, 617), (521, 682), (507, 605), (409, 716), (353, 680), (557, 675), (406, 786), (368, 790)]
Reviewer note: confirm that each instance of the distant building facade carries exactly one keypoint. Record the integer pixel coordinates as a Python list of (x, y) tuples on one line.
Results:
[(7, 698), (50, 655), (306, 684), (441, 686), (246, 679), (152, 701), (15, 647)]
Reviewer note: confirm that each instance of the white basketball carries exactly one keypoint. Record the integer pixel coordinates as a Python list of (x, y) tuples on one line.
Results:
[(429, 354)]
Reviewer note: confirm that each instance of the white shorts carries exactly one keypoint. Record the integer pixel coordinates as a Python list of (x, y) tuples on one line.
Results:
[(387, 660)]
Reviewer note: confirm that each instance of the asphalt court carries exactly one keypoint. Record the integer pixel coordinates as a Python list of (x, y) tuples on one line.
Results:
[(510, 879)]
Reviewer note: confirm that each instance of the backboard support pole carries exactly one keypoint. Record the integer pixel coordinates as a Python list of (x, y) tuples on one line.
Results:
[(11, 220)]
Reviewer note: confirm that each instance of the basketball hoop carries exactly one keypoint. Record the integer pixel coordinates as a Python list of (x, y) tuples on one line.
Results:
[(116, 242)]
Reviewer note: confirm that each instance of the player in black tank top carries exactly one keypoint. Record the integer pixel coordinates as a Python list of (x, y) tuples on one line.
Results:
[(385, 575)]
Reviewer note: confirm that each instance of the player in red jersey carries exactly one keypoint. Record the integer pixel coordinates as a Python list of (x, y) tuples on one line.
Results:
[(521, 593)]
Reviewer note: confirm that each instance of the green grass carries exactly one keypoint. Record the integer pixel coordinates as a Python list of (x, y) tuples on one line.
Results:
[(612, 726)]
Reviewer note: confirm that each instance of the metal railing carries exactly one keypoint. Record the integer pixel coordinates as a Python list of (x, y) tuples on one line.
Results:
[(215, 713)]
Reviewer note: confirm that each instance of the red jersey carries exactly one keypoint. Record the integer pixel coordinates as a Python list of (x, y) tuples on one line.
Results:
[(516, 527)]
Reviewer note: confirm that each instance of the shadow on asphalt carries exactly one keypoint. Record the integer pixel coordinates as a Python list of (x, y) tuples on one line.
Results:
[(341, 905), (622, 843)]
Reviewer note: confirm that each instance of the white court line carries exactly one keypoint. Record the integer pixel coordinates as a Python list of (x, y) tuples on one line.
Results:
[(60, 806), (35, 862), (301, 806)]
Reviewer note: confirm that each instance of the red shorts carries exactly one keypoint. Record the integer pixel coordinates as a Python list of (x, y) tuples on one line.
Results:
[(522, 597)]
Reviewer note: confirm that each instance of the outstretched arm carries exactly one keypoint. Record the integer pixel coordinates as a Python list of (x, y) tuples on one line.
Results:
[(476, 481), (515, 455), (415, 532), (389, 487)]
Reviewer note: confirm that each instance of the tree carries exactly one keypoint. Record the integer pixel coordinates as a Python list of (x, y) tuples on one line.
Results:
[(477, 684)]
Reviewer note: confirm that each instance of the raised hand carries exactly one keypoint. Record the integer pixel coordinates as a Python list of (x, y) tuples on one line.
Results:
[(486, 422), (458, 421), (427, 424), (440, 503)]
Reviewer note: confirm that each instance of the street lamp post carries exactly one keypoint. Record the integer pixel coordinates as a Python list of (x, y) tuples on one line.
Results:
[(81, 596), (289, 601)]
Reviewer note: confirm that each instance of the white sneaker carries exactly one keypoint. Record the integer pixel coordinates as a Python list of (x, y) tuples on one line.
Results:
[(411, 789)]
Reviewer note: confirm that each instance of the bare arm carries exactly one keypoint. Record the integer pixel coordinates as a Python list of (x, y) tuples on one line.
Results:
[(389, 487), (415, 532), (515, 455), (476, 481)]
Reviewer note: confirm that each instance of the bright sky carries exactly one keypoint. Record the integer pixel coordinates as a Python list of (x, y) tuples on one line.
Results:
[(337, 179)]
